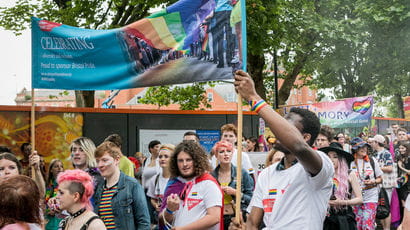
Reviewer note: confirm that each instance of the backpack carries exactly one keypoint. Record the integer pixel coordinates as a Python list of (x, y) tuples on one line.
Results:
[(383, 207)]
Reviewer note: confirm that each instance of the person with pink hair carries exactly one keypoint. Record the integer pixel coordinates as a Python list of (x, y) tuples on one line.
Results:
[(225, 174), (75, 188), (340, 205)]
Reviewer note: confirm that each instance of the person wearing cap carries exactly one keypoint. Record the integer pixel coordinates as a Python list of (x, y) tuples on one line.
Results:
[(385, 160), (340, 213), (369, 173)]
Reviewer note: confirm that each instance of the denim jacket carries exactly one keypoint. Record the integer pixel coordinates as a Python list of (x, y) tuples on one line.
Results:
[(128, 204), (247, 184)]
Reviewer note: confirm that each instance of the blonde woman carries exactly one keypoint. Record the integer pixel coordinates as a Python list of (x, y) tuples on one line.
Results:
[(82, 156), (156, 185)]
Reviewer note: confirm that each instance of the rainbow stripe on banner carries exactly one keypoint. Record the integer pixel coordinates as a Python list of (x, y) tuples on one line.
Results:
[(194, 194), (273, 191)]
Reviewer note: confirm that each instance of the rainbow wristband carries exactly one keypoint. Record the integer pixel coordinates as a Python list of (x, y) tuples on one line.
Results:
[(257, 105), (169, 211)]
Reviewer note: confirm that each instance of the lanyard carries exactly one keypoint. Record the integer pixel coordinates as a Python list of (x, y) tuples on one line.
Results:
[(361, 175), (185, 192)]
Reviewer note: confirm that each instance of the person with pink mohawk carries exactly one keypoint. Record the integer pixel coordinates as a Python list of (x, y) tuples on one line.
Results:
[(75, 188)]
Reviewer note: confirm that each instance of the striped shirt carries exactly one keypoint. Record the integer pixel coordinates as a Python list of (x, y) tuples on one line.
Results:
[(105, 208)]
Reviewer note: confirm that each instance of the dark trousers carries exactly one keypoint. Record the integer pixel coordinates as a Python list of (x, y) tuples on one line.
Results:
[(223, 30)]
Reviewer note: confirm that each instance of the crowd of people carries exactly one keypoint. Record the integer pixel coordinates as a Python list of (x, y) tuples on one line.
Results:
[(217, 40), (313, 179)]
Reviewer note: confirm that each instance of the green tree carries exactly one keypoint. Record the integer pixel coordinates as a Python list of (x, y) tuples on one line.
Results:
[(189, 97), (367, 50), (344, 63), (390, 48)]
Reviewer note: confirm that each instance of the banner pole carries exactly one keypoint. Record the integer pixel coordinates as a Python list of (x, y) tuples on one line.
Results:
[(238, 195), (33, 127)]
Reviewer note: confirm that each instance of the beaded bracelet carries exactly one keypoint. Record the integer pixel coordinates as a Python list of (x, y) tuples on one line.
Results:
[(257, 105)]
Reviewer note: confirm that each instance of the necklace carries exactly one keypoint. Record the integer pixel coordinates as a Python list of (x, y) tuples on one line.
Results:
[(361, 175), (76, 214), (63, 223)]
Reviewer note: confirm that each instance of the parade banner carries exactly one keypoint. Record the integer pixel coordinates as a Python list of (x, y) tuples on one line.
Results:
[(189, 41), (346, 113), (406, 107), (208, 138)]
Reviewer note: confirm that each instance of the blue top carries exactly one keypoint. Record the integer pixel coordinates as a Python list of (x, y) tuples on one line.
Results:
[(223, 5)]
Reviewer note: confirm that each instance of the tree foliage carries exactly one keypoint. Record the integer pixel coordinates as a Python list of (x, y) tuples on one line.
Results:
[(189, 97), (353, 47)]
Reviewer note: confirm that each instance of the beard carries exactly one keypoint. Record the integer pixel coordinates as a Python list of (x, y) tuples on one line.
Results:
[(188, 176)]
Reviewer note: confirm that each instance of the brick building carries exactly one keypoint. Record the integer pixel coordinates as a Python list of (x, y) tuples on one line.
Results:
[(46, 97), (222, 97)]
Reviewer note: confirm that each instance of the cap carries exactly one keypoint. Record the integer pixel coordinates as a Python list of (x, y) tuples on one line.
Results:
[(379, 139)]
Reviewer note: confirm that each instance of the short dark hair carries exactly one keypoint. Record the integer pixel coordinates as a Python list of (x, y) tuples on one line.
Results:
[(327, 131), (114, 138), (310, 123), (198, 154), (23, 146), (153, 143), (190, 133), (4, 149), (19, 201)]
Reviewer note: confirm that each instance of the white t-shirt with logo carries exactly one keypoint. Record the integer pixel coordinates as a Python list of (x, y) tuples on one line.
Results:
[(292, 198), (246, 161), (369, 195), (202, 196), (156, 190)]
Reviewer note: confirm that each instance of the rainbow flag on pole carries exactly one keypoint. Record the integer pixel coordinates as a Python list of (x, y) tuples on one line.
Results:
[(167, 47)]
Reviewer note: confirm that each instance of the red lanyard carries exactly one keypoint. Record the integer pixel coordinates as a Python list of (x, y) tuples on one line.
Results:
[(185, 192)]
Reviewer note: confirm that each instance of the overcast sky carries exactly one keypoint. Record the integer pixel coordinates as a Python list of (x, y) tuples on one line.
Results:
[(15, 62)]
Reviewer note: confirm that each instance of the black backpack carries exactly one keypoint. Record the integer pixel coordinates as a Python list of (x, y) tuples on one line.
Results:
[(383, 207)]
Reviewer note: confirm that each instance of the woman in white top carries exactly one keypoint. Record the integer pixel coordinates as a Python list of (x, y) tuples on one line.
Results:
[(150, 168), (151, 165), (369, 174), (156, 185)]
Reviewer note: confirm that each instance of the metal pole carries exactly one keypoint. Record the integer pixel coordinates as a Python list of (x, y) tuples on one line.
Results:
[(275, 72)]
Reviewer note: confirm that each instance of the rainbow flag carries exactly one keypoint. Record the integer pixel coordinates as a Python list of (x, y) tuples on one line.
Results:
[(175, 27), (194, 194), (273, 191), (361, 106), (335, 184)]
